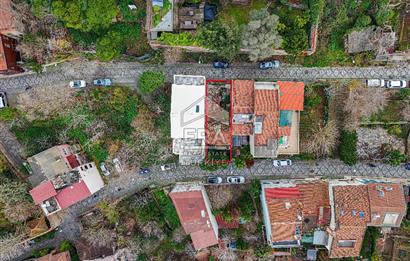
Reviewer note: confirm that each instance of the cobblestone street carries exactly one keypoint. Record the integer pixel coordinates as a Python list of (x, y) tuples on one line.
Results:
[(128, 72)]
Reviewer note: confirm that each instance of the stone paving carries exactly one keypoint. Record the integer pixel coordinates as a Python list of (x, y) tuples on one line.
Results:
[(128, 72)]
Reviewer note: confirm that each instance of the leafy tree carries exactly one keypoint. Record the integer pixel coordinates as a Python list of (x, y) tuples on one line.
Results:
[(110, 46), (221, 37), (316, 8), (348, 152), (100, 14), (295, 37), (260, 35), (362, 21), (383, 16), (13, 193), (150, 81), (3, 164), (395, 157), (69, 12), (91, 15)]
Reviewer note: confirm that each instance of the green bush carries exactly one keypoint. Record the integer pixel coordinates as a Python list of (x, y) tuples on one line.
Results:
[(129, 15), (396, 130), (347, 149), (149, 81), (68, 246), (316, 8), (181, 39), (384, 16), (9, 114), (41, 252), (167, 208), (395, 158), (110, 46), (362, 21), (369, 242), (403, 94)]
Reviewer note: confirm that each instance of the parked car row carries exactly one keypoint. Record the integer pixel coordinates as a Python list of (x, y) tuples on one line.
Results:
[(229, 180), (263, 65), (386, 83), (78, 84)]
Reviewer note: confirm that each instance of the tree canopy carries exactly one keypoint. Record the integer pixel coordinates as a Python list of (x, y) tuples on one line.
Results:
[(150, 81), (260, 35), (221, 37), (86, 16), (110, 46)]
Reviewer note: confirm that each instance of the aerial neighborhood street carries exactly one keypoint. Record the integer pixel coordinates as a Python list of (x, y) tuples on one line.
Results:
[(204, 130)]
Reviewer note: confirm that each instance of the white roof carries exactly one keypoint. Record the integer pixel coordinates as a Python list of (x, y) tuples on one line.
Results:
[(91, 176), (188, 107)]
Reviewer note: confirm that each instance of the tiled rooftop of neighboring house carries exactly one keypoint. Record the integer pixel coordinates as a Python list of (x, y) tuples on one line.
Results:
[(43, 192), (352, 212), (313, 196), (351, 205), (63, 256), (72, 194), (5, 15), (267, 106), (291, 95), (194, 216), (243, 96), (386, 199)]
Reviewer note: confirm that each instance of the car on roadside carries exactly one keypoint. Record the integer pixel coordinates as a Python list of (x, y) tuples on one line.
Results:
[(407, 166), (235, 179), (282, 163), (375, 83), (3, 100), (214, 180), (220, 65), (77, 84), (104, 169), (396, 84), (117, 165), (102, 82), (168, 167), (269, 65), (372, 165), (144, 171)]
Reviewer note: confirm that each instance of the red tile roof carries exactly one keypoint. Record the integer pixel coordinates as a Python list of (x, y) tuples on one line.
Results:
[(274, 193), (63, 256), (72, 194), (194, 217), (313, 196), (291, 95), (267, 105), (72, 161), (242, 129), (5, 15), (243, 96), (43, 192), (385, 198), (3, 60), (225, 224)]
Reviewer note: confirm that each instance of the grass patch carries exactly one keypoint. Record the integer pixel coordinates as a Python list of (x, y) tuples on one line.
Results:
[(240, 13), (48, 236), (390, 113), (167, 208)]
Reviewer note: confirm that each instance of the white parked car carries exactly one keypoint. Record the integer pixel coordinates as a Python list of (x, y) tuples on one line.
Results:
[(281, 163), (235, 179), (78, 84), (104, 169), (167, 167), (117, 165), (3, 100), (375, 83), (396, 84)]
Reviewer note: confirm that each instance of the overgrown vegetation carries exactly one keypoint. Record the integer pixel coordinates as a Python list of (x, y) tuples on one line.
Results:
[(369, 242), (347, 149), (149, 81)]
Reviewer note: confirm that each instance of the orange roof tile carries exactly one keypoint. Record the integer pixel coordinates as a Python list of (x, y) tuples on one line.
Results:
[(242, 129), (347, 233), (291, 95), (313, 196), (6, 16), (63, 256), (385, 198), (349, 202), (267, 105), (3, 61), (243, 96), (194, 217), (283, 232)]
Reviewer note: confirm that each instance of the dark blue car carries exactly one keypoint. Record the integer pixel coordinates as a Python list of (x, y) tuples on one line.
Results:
[(144, 171), (407, 165), (220, 65)]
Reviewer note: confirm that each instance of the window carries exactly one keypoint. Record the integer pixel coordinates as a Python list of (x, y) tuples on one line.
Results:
[(197, 108), (346, 243), (390, 219)]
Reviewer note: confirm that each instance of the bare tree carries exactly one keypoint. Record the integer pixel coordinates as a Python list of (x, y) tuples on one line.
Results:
[(20, 212), (225, 254), (102, 236), (362, 102), (323, 140), (11, 246)]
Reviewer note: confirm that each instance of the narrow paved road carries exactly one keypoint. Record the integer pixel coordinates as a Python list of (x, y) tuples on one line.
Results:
[(129, 184), (128, 72)]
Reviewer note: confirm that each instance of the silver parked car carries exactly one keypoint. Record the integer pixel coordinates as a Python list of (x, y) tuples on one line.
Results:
[(375, 83), (77, 84), (281, 163), (235, 179), (3, 100)]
